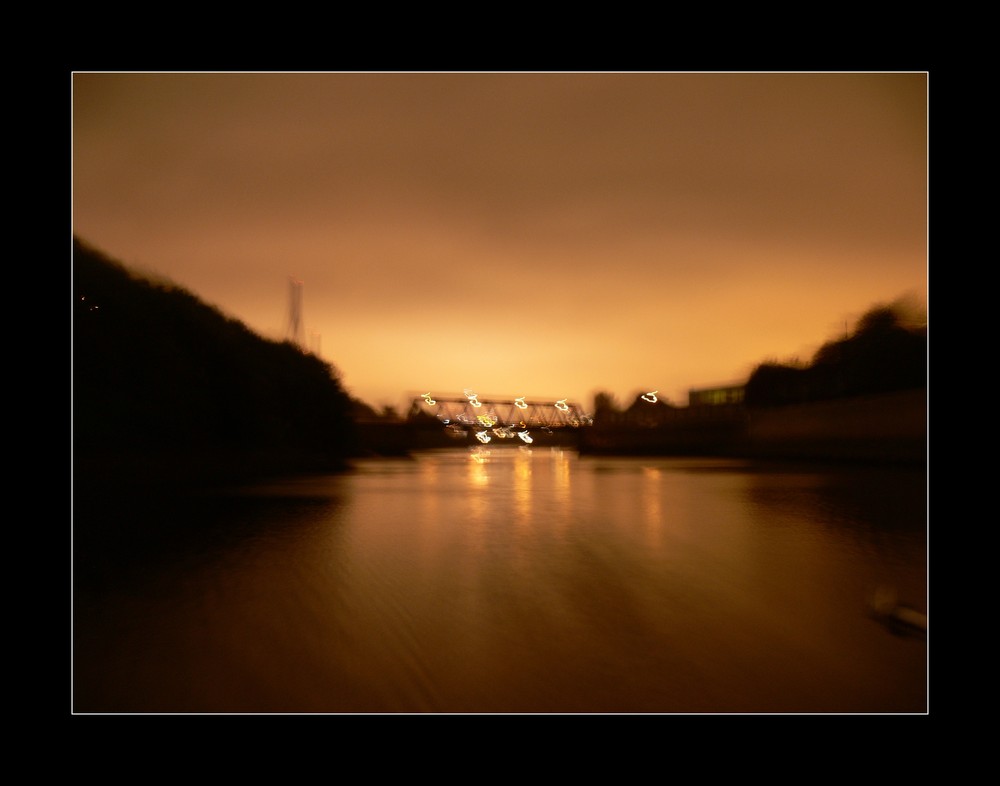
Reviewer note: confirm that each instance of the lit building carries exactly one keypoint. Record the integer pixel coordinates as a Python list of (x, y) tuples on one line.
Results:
[(727, 394)]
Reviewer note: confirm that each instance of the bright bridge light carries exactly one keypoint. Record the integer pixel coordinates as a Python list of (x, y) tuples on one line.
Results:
[(650, 397), (473, 397)]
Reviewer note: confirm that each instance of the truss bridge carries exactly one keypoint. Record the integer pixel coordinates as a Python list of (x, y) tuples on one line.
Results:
[(500, 416)]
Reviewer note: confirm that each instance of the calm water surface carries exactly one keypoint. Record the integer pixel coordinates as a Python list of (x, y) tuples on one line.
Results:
[(509, 580)]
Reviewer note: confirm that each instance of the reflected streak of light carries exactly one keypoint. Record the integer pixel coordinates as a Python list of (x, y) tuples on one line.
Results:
[(522, 487), (478, 478), (477, 468), (524, 436), (652, 507), (561, 480)]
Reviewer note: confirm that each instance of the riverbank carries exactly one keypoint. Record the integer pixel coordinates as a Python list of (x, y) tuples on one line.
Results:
[(885, 428)]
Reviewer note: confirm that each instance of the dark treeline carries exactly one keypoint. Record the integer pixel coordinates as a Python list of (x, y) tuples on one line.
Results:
[(168, 387), (886, 353)]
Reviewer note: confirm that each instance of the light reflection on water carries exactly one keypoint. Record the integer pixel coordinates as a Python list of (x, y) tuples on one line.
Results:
[(517, 580)]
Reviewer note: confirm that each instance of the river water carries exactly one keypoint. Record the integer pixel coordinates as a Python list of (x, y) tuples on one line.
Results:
[(509, 580)]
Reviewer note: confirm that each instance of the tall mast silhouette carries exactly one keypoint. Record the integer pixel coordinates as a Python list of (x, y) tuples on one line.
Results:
[(294, 332)]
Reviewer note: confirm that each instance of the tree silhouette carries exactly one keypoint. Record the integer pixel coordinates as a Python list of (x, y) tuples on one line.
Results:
[(605, 403), (884, 354)]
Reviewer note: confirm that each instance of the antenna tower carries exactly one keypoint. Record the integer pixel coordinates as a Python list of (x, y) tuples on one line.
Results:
[(295, 333)]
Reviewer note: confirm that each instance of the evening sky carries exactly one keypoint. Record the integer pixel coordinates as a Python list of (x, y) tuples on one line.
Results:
[(521, 234)]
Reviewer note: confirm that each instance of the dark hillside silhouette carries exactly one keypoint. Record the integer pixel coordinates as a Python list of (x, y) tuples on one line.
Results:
[(168, 388)]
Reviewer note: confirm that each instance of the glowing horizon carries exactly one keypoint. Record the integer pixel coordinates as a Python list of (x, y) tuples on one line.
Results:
[(548, 234)]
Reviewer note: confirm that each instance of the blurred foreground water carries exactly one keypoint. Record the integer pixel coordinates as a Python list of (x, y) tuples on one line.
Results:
[(508, 580)]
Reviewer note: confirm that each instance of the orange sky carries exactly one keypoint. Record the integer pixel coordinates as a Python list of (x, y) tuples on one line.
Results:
[(536, 234)]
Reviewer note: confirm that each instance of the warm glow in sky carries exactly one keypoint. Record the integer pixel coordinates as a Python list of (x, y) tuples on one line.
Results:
[(539, 235)]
